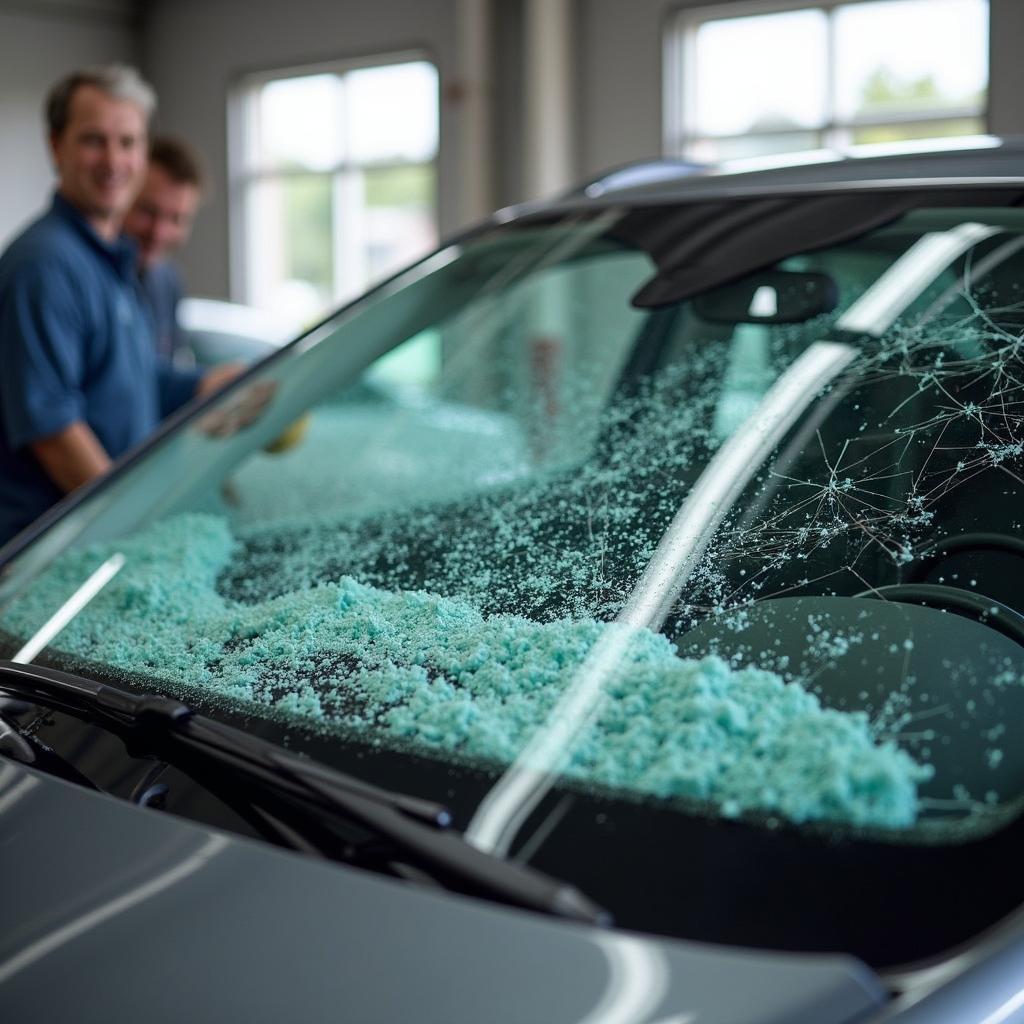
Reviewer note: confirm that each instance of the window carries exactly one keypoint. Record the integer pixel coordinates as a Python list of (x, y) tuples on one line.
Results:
[(334, 181), (771, 79)]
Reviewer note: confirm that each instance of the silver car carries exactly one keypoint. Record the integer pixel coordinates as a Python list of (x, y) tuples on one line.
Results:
[(614, 617)]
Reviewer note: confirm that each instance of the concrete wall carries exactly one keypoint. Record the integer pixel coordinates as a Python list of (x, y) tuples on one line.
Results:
[(1006, 71), (194, 50), (40, 42)]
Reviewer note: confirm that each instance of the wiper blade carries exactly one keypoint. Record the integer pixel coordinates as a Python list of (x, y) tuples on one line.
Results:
[(30, 750), (138, 716), (269, 778)]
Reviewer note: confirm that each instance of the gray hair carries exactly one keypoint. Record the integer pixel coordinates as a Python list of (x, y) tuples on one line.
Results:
[(120, 81)]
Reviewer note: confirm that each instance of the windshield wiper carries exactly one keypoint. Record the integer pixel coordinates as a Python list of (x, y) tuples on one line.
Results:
[(295, 799)]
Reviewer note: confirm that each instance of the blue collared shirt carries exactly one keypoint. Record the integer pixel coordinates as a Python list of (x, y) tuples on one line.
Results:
[(161, 285), (76, 344)]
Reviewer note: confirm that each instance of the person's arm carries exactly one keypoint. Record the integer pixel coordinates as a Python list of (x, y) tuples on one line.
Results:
[(71, 457), (176, 387), (42, 354), (218, 377)]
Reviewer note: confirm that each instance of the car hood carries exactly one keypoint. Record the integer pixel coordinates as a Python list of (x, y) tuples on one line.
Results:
[(123, 913)]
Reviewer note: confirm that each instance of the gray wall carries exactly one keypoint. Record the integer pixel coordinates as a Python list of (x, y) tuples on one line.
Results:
[(39, 42), (619, 81), (194, 50), (1006, 82)]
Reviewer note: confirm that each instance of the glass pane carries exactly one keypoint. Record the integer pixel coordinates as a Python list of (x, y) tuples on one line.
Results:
[(416, 364), (290, 261), (906, 55), (398, 218), (412, 580), (429, 555), (716, 150), (748, 79), (298, 123), (957, 126), (393, 112)]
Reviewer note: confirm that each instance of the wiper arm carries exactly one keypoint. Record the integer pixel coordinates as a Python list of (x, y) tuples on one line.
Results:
[(311, 794)]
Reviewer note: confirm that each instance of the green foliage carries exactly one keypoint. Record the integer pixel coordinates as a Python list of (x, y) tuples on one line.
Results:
[(307, 213), (884, 89), (400, 186), (921, 130)]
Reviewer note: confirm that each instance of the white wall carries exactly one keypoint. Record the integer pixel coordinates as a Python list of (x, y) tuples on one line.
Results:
[(39, 43), (194, 50)]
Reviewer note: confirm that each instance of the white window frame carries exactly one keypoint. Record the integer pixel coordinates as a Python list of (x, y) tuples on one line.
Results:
[(679, 82), (241, 175)]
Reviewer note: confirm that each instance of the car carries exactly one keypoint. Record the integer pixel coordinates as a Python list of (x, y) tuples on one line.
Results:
[(615, 616), (214, 331)]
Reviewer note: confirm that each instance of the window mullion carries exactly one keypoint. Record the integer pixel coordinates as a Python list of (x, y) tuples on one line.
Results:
[(830, 136)]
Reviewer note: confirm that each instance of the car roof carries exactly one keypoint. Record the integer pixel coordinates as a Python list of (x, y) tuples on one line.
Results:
[(978, 161)]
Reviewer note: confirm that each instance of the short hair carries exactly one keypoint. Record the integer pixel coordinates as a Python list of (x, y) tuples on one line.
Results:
[(120, 81), (177, 159)]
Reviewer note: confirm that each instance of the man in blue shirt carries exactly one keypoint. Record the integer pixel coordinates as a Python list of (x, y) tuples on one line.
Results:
[(160, 222), (80, 381)]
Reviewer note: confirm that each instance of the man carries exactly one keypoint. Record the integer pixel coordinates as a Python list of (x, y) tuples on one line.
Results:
[(80, 382), (160, 221)]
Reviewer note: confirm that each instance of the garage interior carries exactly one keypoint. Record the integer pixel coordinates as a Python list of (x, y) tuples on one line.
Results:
[(532, 95), (612, 618)]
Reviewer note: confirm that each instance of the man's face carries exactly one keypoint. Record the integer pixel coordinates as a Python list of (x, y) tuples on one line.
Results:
[(100, 155), (161, 218)]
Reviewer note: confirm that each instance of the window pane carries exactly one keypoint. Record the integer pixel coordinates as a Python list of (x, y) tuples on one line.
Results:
[(393, 112), (291, 267), (339, 182), (763, 72), (398, 217), (906, 55), (298, 123), (918, 130), (412, 185), (714, 150)]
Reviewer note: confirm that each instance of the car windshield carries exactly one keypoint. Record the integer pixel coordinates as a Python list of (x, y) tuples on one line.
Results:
[(607, 522)]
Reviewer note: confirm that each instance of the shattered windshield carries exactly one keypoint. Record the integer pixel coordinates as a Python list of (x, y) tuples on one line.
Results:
[(547, 509)]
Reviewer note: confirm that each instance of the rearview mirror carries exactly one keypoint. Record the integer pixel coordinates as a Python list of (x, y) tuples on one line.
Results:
[(769, 297)]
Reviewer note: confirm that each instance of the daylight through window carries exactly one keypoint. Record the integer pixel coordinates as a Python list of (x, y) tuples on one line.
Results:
[(335, 181), (828, 76)]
